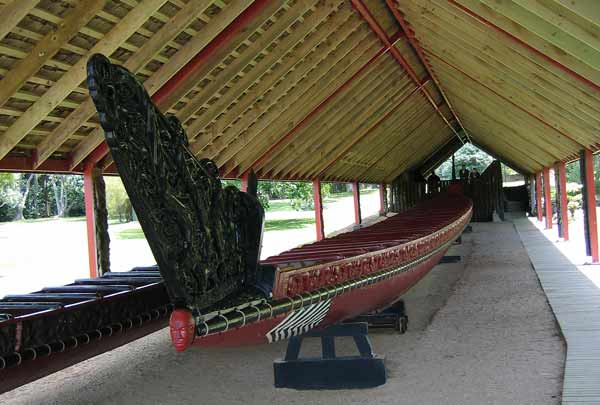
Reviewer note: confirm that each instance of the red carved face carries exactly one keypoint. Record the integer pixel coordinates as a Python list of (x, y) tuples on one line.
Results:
[(182, 328)]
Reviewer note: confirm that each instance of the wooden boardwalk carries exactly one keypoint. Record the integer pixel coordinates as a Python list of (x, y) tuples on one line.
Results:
[(575, 301)]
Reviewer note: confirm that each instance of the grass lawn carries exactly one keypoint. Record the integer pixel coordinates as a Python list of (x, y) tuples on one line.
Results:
[(280, 205), (270, 225), (286, 224), (135, 233)]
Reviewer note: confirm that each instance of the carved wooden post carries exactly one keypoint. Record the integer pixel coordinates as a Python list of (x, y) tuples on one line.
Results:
[(538, 196), (101, 222), (561, 200), (382, 199), (96, 216), (356, 195), (318, 202), (586, 165), (547, 198)]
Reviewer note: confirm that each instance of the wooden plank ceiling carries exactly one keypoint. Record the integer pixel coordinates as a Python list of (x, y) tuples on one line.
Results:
[(337, 89)]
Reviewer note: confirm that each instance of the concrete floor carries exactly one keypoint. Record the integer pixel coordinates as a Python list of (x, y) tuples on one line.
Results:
[(480, 332)]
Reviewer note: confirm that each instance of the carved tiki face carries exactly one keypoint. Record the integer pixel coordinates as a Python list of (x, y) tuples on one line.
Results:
[(182, 328)]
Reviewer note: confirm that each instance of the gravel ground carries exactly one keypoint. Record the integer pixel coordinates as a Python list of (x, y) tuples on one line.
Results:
[(480, 332)]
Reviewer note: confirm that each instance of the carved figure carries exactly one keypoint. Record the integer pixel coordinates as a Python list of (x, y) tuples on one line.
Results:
[(206, 239)]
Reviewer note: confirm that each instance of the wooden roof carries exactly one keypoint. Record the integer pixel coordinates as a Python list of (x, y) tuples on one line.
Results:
[(337, 89)]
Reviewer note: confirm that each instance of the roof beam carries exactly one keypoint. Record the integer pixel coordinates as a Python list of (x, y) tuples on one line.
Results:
[(369, 130), (314, 51), (13, 13), (47, 47), (257, 48), (525, 45), (414, 42), (506, 99), (75, 75), (185, 65), (287, 138), (137, 61), (376, 28)]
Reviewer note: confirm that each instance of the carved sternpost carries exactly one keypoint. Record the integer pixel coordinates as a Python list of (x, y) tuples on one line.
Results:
[(205, 238)]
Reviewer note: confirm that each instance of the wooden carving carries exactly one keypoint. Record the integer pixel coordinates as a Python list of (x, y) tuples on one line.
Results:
[(206, 239)]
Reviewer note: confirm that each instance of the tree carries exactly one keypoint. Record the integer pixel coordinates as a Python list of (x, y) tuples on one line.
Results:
[(9, 196), (117, 201), (470, 156), (25, 185)]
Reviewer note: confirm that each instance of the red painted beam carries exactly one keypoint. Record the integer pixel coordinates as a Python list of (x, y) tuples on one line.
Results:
[(531, 49), (562, 188), (590, 204), (410, 35), (382, 195), (376, 28), (88, 192), (468, 76), (547, 198), (356, 198), (318, 202), (187, 72), (25, 164), (538, 196)]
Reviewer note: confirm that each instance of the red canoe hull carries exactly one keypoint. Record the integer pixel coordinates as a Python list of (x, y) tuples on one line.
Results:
[(347, 305)]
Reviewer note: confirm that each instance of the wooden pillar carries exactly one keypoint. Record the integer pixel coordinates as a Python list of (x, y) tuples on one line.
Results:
[(589, 204), (356, 195), (96, 217), (538, 196), (318, 209), (453, 168), (88, 192), (561, 200), (547, 198), (244, 179), (382, 199), (101, 222)]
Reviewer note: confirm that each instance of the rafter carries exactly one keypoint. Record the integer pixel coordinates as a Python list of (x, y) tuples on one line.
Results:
[(74, 76), (137, 61), (178, 72), (13, 13)]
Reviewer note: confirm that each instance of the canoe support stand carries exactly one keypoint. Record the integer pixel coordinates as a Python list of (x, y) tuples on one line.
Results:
[(330, 371)]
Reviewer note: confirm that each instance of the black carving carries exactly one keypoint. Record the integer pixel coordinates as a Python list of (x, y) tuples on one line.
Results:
[(206, 239)]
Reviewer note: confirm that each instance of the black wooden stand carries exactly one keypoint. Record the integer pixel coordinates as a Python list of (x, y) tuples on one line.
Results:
[(329, 371), (393, 317)]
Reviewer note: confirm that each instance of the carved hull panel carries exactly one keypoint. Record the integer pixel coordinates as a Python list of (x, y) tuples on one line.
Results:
[(205, 238)]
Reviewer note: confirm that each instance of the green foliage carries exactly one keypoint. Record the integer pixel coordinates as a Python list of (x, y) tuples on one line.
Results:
[(469, 155), (9, 196), (300, 193), (117, 200), (574, 197), (32, 196)]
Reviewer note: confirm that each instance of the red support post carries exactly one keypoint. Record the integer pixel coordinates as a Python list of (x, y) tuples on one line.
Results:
[(563, 223), (244, 179), (356, 195), (318, 209), (589, 204), (88, 191), (538, 196), (382, 195), (547, 198)]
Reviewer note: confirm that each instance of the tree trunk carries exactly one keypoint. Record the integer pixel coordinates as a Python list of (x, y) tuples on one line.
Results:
[(21, 204)]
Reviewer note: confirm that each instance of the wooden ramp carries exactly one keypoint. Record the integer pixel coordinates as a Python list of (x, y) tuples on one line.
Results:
[(575, 301)]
